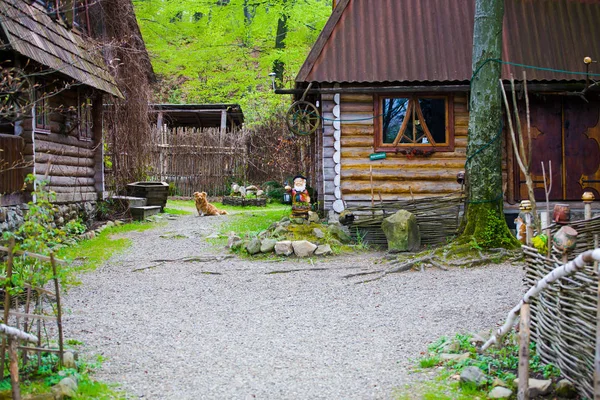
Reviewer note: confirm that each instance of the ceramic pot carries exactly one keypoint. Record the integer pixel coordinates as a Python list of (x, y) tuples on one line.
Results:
[(562, 213), (565, 239)]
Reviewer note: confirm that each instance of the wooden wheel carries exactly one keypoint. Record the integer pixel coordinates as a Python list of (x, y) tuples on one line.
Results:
[(15, 94), (303, 118)]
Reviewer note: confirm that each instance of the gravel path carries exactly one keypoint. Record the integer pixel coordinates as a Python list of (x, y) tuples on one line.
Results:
[(177, 332)]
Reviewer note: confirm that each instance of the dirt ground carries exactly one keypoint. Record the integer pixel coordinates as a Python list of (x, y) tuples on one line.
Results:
[(238, 328)]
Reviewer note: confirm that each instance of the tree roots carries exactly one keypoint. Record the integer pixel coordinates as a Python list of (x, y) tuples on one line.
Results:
[(466, 257)]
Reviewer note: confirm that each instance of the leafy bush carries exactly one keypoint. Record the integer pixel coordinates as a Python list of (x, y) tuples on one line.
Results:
[(74, 227)]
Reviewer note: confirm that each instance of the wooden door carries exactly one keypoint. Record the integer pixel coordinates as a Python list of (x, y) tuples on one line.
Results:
[(566, 131)]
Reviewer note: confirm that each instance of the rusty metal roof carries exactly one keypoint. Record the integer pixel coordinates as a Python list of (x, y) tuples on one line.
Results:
[(406, 41), (30, 31)]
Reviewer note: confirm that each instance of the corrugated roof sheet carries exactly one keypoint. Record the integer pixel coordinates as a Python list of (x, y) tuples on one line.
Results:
[(32, 33), (367, 41)]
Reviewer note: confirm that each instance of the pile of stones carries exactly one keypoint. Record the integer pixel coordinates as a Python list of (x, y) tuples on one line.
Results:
[(277, 239)]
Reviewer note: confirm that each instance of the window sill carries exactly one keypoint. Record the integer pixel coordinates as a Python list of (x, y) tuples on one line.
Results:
[(415, 150), (43, 131)]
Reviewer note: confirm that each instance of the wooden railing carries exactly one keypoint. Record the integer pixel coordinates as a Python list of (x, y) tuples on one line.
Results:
[(12, 164)]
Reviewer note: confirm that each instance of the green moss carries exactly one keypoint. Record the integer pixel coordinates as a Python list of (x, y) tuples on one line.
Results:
[(486, 227)]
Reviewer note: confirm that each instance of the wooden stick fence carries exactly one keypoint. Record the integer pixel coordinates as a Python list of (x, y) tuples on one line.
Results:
[(14, 334)]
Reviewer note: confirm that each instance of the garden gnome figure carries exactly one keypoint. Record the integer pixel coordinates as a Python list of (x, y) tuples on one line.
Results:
[(300, 197)]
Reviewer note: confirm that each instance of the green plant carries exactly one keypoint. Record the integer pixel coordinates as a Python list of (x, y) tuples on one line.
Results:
[(429, 362), (74, 227)]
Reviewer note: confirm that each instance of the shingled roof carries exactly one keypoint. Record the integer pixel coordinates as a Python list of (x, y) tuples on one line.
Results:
[(367, 41), (30, 31)]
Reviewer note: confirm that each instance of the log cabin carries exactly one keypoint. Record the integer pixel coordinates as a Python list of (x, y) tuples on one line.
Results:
[(54, 79), (392, 78)]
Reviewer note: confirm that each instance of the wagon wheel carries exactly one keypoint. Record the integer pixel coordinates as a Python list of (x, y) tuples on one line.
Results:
[(15, 94), (303, 118)]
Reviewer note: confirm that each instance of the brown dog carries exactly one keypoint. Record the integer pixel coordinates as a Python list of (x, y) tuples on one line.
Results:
[(204, 207)]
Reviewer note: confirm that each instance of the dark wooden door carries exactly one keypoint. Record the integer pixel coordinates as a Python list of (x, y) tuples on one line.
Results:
[(566, 131)]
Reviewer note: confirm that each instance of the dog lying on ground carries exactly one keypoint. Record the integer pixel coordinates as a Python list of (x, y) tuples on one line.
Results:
[(204, 207)]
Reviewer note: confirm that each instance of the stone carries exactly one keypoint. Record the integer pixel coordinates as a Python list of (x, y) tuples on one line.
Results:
[(500, 392), (234, 241), (284, 248), (498, 382), (451, 347), (285, 219), (118, 222), (340, 233), (564, 388), (303, 248), (477, 339), (280, 231), (37, 396), (212, 236), (455, 357), (110, 224), (298, 221), (472, 375), (69, 360), (537, 387), (67, 387), (268, 245), (260, 193), (253, 246), (318, 233), (313, 216), (285, 224), (323, 250), (263, 234), (402, 231)]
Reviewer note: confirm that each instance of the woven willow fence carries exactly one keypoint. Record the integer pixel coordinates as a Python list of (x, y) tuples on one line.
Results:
[(564, 317), (437, 217)]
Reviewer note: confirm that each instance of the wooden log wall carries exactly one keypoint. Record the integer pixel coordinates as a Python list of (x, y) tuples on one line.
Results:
[(397, 177), (67, 162)]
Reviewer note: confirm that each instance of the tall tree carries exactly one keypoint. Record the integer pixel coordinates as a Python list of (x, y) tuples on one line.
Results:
[(485, 217)]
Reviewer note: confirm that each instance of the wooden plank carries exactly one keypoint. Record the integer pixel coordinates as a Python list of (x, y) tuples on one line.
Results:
[(38, 289), (398, 188), (65, 140), (362, 152), (356, 98), (71, 189), (32, 255), (64, 170), (66, 180), (32, 316), (392, 174), (64, 160), (401, 162), (41, 349), (60, 149)]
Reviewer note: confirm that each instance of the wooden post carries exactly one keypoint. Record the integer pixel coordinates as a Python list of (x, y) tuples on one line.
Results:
[(9, 266), (14, 368), (372, 195), (223, 126), (524, 337), (58, 309)]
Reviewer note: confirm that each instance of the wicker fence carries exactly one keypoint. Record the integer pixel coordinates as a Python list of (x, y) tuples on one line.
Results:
[(437, 217), (564, 317)]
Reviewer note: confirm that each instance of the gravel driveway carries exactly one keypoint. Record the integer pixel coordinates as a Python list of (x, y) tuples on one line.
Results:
[(180, 331)]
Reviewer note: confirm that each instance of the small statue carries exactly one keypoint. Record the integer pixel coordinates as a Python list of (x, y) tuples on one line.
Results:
[(300, 197)]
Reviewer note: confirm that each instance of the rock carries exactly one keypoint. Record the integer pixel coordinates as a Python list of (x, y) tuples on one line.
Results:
[(263, 234), (402, 231), (477, 340), (118, 222), (338, 232), (537, 387), (318, 233), (280, 231), (213, 236), (285, 224), (500, 392), (260, 193), (67, 387), (109, 224), (284, 248), (303, 248), (69, 360), (38, 396), (313, 216), (253, 246), (472, 375), (273, 226), (234, 241), (564, 388), (298, 221), (60, 221), (267, 245), (455, 357), (451, 347), (285, 219), (251, 188), (498, 382), (323, 250), (346, 217)]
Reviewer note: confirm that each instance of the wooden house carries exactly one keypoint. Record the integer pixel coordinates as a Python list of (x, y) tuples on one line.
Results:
[(392, 77), (54, 79)]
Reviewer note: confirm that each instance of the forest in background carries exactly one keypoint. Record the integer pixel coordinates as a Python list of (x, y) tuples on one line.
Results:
[(222, 51)]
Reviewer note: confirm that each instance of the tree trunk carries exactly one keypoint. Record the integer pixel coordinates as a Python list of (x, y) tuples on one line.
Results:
[(484, 214), (282, 30)]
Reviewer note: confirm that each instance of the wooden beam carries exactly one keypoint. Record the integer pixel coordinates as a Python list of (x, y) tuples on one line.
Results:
[(33, 255)]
